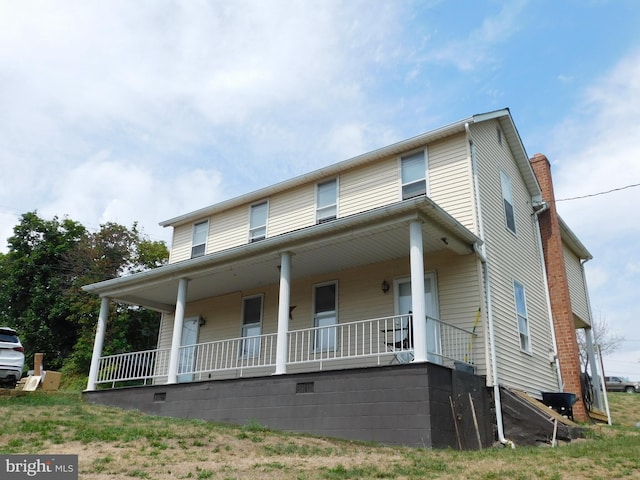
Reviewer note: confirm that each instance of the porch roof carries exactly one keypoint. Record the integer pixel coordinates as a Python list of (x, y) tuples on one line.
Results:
[(373, 236)]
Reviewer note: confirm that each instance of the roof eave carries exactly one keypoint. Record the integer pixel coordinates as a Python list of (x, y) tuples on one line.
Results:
[(512, 135), (418, 207), (572, 241)]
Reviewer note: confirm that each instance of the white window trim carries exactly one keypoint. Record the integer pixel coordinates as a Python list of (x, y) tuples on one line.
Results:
[(526, 334), (336, 204), (206, 238), (508, 197), (253, 238), (425, 151), (241, 353)]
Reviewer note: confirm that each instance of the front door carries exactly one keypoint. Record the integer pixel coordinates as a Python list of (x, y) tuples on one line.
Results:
[(325, 315), (404, 306), (190, 329)]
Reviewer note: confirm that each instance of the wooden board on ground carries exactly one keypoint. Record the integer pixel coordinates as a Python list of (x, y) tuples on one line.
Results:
[(32, 383)]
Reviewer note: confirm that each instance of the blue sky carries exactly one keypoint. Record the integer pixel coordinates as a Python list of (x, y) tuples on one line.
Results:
[(141, 111)]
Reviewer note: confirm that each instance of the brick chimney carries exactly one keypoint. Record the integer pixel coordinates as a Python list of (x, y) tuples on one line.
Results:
[(558, 282)]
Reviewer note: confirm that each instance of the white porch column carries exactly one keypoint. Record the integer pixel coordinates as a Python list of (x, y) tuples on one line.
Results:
[(98, 342), (417, 293), (178, 321), (595, 381), (283, 313)]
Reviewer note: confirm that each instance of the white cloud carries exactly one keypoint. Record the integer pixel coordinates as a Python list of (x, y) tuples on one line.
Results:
[(162, 88), (104, 189), (595, 149), (477, 48)]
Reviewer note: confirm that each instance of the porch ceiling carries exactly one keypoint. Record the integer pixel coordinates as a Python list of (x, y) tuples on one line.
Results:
[(370, 237)]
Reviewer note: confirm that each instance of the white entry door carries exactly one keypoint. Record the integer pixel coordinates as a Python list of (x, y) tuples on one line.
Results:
[(402, 288), (190, 329), (325, 314)]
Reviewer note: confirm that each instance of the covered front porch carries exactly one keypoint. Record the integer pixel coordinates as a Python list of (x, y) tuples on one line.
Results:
[(408, 245), (372, 342)]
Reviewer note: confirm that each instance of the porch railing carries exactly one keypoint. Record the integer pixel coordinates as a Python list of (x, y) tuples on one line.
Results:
[(233, 354), (385, 339), (134, 367)]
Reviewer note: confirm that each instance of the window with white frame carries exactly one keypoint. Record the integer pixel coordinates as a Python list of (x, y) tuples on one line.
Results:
[(327, 201), (507, 197), (325, 316), (258, 221), (521, 313), (251, 325), (413, 175), (199, 239)]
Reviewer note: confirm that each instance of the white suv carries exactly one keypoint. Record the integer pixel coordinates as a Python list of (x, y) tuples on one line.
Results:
[(11, 357)]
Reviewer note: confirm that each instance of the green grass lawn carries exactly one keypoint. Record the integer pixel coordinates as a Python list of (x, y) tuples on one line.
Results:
[(114, 443)]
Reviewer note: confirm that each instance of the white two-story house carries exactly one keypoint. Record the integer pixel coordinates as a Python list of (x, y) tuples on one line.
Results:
[(359, 300)]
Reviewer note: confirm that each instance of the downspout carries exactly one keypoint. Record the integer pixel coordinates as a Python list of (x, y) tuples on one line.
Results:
[(481, 253), (536, 213)]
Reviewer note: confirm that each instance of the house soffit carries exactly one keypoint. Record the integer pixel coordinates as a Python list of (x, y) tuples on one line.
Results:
[(371, 237)]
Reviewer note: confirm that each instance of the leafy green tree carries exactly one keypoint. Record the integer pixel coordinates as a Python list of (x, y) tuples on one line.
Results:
[(40, 288), (109, 253), (34, 279)]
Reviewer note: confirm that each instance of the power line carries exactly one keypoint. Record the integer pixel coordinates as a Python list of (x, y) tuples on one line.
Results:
[(599, 193)]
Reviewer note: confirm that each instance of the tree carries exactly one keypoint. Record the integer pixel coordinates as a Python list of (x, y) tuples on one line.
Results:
[(40, 288), (602, 336), (33, 282), (109, 253)]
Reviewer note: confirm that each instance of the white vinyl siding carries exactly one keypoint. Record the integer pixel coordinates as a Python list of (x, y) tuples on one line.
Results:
[(231, 228), (577, 288), (360, 189), (451, 179), (292, 210), (181, 244), (510, 256), (368, 187)]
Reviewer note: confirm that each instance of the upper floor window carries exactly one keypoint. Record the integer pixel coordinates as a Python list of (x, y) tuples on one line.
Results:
[(199, 239), (258, 221), (521, 313), (414, 175), (507, 197), (327, 201)]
